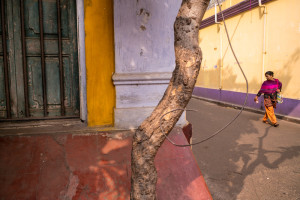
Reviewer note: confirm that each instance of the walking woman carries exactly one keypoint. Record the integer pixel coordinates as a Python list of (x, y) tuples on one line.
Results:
[(269, 88)]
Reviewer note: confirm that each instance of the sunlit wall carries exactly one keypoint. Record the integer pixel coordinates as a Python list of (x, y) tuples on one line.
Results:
[(261, 42)]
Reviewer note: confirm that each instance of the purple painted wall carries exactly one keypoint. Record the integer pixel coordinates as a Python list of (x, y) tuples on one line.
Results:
[(290, 107)]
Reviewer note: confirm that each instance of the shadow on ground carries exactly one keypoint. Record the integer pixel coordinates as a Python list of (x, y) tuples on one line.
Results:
[(249, 160), (76, 162)]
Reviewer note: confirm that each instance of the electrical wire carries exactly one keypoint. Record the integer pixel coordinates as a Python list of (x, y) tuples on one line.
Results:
[(220, 130)]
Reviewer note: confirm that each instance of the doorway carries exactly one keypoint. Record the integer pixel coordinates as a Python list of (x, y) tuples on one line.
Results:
[(39, 75)]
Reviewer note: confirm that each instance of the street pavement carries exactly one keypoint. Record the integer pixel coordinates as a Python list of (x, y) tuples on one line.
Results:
[(249, 160)]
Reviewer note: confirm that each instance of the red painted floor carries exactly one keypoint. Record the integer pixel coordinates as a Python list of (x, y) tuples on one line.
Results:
[(72, 166)]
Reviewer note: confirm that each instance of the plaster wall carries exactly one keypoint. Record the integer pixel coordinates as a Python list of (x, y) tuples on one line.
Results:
[(144, 36), (283, 45), (220, 71), (144, 57)]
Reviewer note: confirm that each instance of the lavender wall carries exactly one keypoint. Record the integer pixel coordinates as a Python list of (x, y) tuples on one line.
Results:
[(144, 57), (290, 107), (144, 36)]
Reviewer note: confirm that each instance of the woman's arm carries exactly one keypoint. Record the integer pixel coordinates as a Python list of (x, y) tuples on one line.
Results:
[(279, 86)]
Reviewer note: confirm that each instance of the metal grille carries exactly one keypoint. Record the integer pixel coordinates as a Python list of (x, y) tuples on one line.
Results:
[(4, 47), (6, 57)]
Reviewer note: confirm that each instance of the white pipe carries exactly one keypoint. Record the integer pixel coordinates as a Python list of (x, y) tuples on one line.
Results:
[(264, 44), (261, 5), (221, 58), (81, 59), (264, 40), (216, 16)]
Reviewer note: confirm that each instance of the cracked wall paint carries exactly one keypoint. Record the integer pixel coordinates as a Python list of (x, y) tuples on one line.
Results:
[(144, 35)]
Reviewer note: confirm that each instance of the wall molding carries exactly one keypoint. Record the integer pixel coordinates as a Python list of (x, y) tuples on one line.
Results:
[(142, 78)]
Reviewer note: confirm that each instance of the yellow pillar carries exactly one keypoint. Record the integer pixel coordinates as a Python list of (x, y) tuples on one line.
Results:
[(99, 45)]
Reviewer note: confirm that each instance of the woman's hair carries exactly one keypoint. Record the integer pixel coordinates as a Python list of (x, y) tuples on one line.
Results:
[(269, 73)]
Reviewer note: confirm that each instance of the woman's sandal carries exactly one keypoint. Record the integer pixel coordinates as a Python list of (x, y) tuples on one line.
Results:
[(275, 125), (266, 122)]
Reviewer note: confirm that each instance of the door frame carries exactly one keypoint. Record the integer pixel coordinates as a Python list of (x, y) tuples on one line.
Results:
[(81, 59)]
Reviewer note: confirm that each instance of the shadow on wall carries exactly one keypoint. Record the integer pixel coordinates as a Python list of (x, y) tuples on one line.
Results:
[(232, 36), (228, 159), (286, 71), (285, 75), (290, 107)]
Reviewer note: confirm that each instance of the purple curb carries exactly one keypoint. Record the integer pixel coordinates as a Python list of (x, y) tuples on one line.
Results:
[(290, 107)]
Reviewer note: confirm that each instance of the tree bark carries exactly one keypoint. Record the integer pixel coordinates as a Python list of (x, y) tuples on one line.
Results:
[(148, 137)]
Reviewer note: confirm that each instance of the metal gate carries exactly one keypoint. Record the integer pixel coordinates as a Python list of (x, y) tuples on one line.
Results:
[(38, 59)]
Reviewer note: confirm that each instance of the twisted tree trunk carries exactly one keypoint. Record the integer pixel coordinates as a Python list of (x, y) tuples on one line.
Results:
[(148, 137)]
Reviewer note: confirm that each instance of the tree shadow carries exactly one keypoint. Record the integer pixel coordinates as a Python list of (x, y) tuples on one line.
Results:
[(239, 153), (88, 165), (102, 168), (65, 166), (249, 165)]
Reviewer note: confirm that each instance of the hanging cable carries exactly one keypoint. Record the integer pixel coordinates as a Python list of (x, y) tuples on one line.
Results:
[(220, 130)]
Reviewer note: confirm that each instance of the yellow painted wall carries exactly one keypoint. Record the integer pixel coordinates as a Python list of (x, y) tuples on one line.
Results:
[(219, 68), (99, 43)]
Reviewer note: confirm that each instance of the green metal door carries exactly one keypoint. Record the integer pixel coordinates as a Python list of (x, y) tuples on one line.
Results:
[(39, 78)]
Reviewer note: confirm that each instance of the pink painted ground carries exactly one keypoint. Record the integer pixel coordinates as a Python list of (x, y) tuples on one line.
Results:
[(70, 166)]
